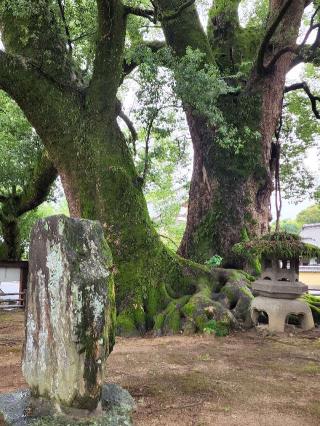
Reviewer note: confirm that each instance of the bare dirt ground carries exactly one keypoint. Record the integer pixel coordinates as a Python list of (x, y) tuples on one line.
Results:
[(243, 379)]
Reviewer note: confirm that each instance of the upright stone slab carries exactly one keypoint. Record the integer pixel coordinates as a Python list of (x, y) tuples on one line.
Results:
[(70, 312)]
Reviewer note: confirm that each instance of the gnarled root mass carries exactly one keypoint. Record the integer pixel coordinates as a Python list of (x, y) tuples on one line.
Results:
[(201, 300), (217, 305)]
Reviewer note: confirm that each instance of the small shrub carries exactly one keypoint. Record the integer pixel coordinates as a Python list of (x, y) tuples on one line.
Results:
[(219, 328), (314, 303), (214, 261)]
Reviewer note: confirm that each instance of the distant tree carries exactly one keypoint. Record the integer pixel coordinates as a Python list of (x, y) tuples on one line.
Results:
[(288, 225), (309, 215), (26, 175)]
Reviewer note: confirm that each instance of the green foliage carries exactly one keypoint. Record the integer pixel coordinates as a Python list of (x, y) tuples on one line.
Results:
[(189, 75), (214, 261), (21, 152), (219, 328), (254, 13), (291, 226), (314, 303), (20, 147), (298, 135), (309, 215), (82, 24), (235, 30), (281, 245)]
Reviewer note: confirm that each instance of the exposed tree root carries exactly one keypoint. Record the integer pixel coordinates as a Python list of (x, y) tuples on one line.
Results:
[(225, 298)]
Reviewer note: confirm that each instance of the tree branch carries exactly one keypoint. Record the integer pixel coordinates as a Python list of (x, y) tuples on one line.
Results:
[(45, 44), (154, 46), (146, 152), (37, 190), (312, 27), (298, 48), (154, 15), (107, 68), (261, 68), (277, 56), (176, 13), (132, 130), (145, 13), (169, 239), (66, 28), (313, 99), (308, 54), (30, 86)]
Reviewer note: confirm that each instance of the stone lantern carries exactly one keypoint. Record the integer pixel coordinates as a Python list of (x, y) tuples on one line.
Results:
[(278, 288)]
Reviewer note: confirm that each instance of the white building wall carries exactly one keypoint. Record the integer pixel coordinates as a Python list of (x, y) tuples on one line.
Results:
[(311, 234)]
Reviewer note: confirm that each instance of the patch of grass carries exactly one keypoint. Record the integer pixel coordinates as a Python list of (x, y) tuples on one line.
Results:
[(204, 357), (218, 328), (311, 368)]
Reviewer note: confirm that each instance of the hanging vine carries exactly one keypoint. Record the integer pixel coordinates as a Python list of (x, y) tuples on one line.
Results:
[(277, 189)]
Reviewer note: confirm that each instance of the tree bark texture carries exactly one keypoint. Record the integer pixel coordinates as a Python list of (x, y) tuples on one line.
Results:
[(230, 192)]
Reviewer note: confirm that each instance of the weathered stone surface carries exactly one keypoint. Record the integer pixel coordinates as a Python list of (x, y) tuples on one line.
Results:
[(70, 311), (18, 409), (14, 407), (278, 310), (279, 289)]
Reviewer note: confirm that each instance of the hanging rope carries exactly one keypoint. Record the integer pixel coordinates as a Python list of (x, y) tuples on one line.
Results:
[(277, 191)]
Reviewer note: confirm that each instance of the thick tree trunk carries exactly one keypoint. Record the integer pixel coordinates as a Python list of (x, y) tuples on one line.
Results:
[(230, 191), (11, 240), (101, 183), (154, 287)]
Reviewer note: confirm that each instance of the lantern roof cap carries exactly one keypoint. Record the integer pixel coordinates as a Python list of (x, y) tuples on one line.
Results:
[(278, 245)]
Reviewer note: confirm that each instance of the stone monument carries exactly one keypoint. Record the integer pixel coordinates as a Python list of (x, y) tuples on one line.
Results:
[(69, 329)]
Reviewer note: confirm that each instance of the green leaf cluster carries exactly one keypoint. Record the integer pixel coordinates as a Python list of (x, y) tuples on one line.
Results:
[(280, 245), (20, 147), (218, 328)]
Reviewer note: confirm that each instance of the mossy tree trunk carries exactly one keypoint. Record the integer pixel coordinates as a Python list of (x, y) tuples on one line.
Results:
[(78, 127), (230, 191)]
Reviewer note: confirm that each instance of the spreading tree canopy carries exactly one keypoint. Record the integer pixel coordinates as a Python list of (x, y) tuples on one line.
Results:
[(64, 62)]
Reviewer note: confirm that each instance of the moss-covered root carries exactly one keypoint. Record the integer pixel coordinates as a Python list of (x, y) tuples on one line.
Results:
[(217, 306), (236, 295), (190, 298)]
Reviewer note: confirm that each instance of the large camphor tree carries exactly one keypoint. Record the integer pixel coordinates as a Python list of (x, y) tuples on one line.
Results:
[(234, 170), (75, 114), (76, 119)]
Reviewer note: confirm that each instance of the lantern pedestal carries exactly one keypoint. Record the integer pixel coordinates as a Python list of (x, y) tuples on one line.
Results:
[(278, 311)]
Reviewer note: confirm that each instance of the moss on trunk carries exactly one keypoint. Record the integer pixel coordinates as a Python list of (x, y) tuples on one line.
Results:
[(153, 284), (155, 288), (231, 188)]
